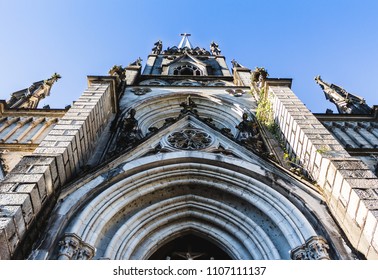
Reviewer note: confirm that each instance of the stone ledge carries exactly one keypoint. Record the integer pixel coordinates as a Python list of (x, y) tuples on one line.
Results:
[(22, 200)]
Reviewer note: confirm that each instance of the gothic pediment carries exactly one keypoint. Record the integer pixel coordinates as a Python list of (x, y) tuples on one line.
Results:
[(185, 65), (186, 58), (187, 133)]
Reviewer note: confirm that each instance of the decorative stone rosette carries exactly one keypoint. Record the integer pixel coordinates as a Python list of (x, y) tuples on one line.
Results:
[(189, 139)]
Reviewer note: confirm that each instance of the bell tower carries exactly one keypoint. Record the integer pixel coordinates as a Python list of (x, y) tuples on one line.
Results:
[(185, 61)]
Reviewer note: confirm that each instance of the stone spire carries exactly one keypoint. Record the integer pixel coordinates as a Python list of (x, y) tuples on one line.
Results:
[(29, 98), (345, 102), (185, 43)]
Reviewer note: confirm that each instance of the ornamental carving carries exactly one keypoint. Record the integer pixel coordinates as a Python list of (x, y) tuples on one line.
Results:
[(185, 50), (188, 106), (236, 92), (249, 134), (129, 134), (189, 139), (140, 91), (71, 247), (214, 48), (315, 248), (158, 46)]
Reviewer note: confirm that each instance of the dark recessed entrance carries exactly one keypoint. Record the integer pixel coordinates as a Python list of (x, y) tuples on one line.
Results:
[(189, 247)]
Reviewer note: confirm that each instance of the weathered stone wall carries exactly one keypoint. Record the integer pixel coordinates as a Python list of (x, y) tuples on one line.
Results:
[(35, 181), (349, 187), (242, 76)]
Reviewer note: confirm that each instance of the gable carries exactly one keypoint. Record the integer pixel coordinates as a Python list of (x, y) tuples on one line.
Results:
[(185, 65)]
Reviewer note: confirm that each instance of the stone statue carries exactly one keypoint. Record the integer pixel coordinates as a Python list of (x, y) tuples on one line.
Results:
[(158, 46), (248, 127), (130, 123), (249, 134), (214, 48), (129, 132)]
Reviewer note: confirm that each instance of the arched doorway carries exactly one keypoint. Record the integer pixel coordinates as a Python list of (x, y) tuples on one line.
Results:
[(159, 203), (189, 247)]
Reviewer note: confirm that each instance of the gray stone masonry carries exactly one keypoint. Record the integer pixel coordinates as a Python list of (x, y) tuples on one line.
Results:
[(132, 73), (349, 187), (61, 154), (242, 76)]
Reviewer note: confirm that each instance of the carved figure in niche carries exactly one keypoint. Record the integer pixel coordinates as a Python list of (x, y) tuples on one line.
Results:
[(249, 134), (214, 48), (158, 46)]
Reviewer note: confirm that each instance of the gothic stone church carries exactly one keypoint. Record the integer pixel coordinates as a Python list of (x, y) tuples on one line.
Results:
[(186, 159)]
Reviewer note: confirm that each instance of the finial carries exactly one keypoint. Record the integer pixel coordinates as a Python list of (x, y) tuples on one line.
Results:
[(345, 102), (54, 77), (235, 63), (137, 62)]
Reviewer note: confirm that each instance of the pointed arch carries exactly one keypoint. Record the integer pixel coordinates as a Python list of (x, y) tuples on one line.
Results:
[(154, 199)]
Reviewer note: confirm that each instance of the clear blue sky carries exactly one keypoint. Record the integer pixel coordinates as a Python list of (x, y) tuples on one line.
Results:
[(291, 39)]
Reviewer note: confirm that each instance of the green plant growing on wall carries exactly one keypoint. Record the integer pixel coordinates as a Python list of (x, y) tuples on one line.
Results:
[(323, 149), (264, 112)]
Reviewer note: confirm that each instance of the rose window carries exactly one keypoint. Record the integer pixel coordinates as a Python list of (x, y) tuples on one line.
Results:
[(189, 139)]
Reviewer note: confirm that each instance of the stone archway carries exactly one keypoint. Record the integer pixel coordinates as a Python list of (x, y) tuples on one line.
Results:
[(189, 246), (169, 195)]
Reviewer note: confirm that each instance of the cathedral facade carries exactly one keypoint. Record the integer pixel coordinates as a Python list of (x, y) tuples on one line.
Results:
[(185, 159)]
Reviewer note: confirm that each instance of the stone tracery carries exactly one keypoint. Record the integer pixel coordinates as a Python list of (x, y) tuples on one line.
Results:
[(189, 139)]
